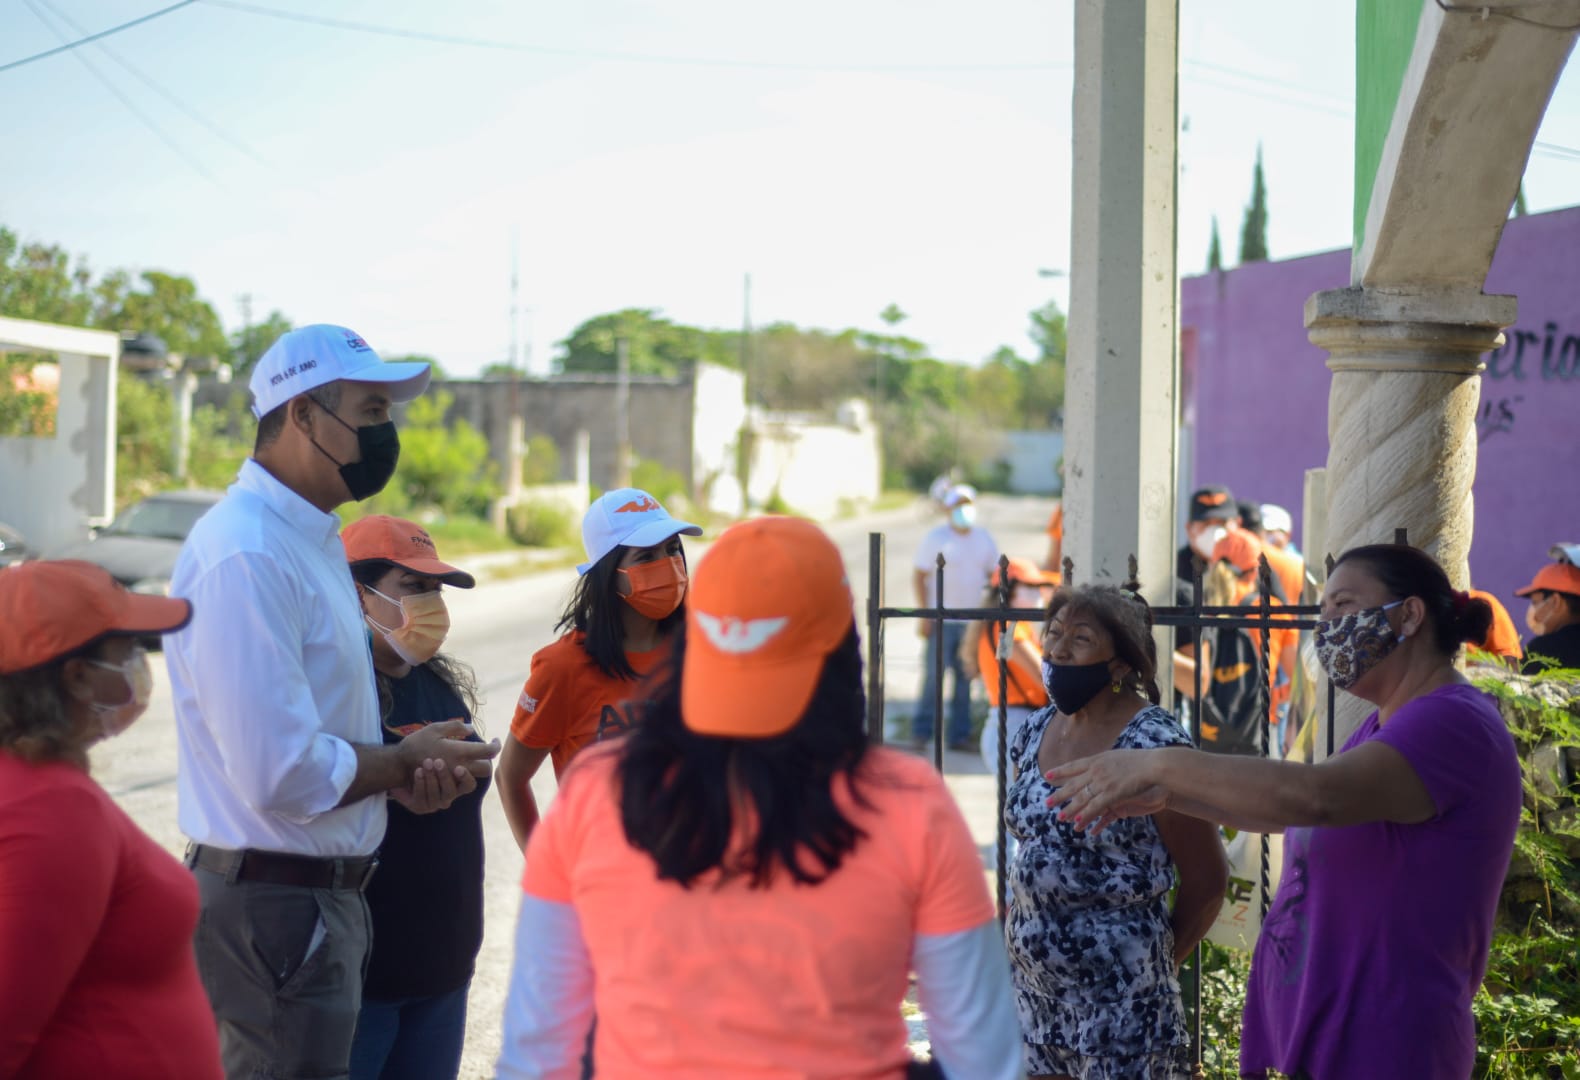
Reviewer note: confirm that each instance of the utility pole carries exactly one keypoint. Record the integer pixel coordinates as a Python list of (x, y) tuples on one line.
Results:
[(515, 425), (744, 446), (245, 300), (622, 414), (746, 337)]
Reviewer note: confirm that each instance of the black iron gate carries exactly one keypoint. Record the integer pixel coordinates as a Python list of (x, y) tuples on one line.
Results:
[(1263, 616)]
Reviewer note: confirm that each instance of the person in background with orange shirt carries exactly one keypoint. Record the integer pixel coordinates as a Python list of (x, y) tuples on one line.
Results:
[(1030, 587), (1238, 551), (1503, 640), (1287, 566), (742, 885), (628, 602), (1053, 562), (97, 975)]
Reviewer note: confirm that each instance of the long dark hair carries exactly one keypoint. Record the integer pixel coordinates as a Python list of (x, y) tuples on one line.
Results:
[(680, 792), (593, 609), (459, 677), (1406, 571)]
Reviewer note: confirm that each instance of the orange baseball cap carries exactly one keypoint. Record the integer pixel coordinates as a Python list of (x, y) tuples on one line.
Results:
[(53, 607), (1554, 577), (1240, 547), (768, 603), (1026, 572), (404, 543)]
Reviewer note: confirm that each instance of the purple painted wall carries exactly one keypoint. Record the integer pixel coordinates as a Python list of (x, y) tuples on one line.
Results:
[(1256, 393)]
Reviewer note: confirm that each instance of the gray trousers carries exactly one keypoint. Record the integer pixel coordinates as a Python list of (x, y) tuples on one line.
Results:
[(283, 967)]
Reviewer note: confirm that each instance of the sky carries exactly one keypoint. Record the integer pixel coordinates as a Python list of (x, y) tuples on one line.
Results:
[(647, 153)]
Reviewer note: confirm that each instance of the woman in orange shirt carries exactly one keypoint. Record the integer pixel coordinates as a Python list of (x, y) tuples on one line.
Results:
[(742, 886), (628, 602)]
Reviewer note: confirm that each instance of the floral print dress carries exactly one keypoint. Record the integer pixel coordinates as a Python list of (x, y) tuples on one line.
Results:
[(1088, 931)]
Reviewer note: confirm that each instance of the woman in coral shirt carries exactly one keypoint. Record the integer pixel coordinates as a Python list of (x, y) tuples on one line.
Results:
[(741, 886), (97, 976)]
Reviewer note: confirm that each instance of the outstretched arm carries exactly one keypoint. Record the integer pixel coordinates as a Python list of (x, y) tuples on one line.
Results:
[(1372, 782)]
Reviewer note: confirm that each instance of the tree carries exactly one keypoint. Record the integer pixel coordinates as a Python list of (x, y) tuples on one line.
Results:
[(892, 316), (442, 466), (1215, 249), (1519, 201), (654, 345), (1253, 233), (169, 307), (1048, 332), (250, 343), (38, 281)]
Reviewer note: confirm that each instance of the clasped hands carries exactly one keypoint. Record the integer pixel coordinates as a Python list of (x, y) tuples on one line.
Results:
[(443, 766)]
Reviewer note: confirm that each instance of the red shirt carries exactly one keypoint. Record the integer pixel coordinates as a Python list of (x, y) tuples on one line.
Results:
[(97, 976)]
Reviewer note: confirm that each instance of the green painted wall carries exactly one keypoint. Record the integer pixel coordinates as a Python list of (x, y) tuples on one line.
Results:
[(1384, 38)]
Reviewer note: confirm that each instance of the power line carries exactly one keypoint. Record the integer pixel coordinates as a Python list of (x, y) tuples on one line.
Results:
[(158, 88), (621, 57), (95, 37), (131, 106)]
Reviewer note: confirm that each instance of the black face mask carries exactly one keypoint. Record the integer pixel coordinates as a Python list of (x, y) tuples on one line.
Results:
[(1073, 686), (380, 446)]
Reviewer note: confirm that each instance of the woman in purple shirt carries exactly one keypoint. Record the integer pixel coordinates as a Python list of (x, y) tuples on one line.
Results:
[(1395, 848)]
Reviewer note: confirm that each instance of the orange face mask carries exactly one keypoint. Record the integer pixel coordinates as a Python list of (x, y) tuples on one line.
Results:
[(657, 587)]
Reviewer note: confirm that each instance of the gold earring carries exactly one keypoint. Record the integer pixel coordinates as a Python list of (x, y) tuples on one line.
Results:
[(1116, 686)]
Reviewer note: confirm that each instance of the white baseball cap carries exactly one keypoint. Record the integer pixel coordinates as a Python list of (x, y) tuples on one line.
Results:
[(1569, 553), (311, 356), (1276, 519), (958, 494), (628, 516)]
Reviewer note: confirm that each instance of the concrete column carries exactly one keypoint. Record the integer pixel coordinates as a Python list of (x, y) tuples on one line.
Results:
[(1120, 387), (1402, 421)]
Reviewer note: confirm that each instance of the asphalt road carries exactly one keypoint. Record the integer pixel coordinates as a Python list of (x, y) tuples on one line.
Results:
[(496, 628)]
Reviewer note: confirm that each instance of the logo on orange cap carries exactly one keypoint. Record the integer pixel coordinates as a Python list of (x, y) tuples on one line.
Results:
[(734, 635)]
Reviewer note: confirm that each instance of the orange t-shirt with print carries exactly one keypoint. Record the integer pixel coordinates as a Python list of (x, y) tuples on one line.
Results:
[(566, 694), (722, 980)]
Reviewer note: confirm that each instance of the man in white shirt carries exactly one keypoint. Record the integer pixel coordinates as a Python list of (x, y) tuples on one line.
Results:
[(970, 558), (283, 771)]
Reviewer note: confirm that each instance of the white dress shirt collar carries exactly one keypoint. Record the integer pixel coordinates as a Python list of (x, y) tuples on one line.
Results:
[(301, 514)]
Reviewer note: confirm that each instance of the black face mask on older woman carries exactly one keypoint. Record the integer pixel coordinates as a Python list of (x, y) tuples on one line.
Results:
[(1073, 686)]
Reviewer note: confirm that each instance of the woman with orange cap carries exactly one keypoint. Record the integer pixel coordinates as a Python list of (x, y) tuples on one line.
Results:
[(750, 880), (1233, 572), (628, 601), (413, 1018), (97, 976)]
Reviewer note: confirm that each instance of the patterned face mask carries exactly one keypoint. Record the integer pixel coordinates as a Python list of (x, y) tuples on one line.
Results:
[(1351, 645)]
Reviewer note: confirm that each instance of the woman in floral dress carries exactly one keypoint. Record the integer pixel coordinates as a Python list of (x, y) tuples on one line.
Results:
[(1093, 944)]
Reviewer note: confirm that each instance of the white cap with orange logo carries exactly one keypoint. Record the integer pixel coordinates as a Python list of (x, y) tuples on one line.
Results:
[(628, 516)]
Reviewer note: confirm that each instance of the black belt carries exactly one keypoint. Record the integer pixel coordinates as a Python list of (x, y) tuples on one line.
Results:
[(277, 868)]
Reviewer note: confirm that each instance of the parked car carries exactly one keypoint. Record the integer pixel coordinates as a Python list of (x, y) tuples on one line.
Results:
[(13, 548), (140, 546)]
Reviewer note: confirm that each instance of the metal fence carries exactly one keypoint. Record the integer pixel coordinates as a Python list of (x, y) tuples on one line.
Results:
[(1264, 615)]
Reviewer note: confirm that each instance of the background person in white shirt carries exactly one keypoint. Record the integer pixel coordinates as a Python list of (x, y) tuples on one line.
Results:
[(282, 767), (970, 558)]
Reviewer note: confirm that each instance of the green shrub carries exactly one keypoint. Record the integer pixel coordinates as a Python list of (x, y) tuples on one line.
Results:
[(1528, 1008), (541, 524), (658, 481), (541, 464)]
